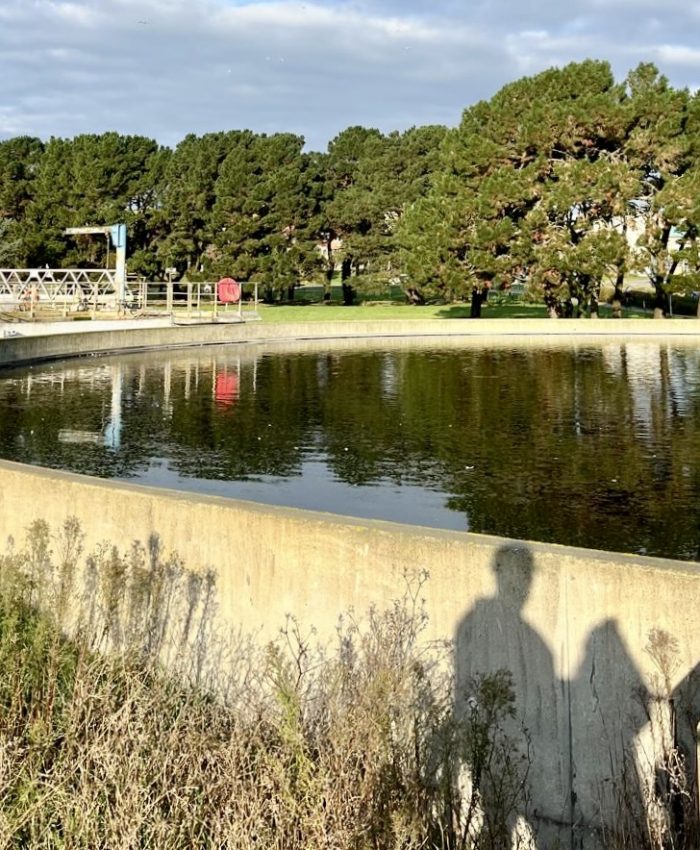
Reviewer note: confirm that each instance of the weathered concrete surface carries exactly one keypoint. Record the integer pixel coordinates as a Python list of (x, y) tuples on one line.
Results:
[(29, 328), (575, 639), (129, 336)]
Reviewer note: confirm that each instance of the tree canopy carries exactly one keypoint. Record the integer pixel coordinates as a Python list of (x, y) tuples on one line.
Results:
[(561, 180)]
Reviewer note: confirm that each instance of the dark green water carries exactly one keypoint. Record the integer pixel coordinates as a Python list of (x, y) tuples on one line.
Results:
[(594, 446)]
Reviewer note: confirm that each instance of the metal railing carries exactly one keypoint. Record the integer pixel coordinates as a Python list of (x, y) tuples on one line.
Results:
[(189, 301), (67, 291)]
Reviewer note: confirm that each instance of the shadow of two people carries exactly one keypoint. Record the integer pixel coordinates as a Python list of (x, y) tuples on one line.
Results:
[(577, 733)]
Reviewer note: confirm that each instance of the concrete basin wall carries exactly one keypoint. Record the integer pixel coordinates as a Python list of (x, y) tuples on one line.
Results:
[(579, 639), (85, 341)]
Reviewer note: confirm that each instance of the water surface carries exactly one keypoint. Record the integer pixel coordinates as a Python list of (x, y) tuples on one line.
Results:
[(595, 445)]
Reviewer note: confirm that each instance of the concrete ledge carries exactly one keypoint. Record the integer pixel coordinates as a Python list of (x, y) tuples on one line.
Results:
[(83, 341), (361, 559)]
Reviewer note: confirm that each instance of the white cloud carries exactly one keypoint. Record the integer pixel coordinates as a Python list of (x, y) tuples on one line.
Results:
[(168, 67), (75, 14), (677, 54)]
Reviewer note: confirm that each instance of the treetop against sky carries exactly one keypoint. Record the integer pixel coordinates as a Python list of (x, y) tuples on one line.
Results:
[(544, 182)]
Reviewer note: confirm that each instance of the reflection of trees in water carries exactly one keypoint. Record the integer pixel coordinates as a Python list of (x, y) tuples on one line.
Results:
[(596, 447)]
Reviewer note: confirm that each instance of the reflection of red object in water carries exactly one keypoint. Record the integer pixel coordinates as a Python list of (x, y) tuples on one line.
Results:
[(228, 291), (226, 388)]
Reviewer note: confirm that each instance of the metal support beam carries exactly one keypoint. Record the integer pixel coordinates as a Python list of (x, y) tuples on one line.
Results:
[(117, 233)]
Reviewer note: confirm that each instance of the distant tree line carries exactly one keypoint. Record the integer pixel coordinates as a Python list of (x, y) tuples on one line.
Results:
[(560, 181)]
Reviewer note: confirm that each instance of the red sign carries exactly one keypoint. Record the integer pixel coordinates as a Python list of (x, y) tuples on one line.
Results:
[(228, 291)]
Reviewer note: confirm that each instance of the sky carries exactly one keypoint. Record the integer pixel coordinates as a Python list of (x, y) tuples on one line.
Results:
[(166, 68)]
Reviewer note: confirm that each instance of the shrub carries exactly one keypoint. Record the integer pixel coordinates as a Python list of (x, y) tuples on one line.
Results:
[(127, 722)]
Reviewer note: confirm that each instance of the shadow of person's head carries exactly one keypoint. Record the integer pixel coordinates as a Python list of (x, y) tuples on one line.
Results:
[(514, 568)]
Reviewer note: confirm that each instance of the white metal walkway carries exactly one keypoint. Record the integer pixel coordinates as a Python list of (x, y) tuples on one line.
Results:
[(70, 289)]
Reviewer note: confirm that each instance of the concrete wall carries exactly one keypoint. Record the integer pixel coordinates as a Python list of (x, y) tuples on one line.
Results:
[(576, 639), (126, 337)]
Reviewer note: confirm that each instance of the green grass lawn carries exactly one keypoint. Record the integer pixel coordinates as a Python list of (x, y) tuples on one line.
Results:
[(385, 311), (389, 304)]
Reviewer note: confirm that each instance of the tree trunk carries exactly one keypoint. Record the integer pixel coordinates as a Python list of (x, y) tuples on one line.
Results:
[(593, 313), (618, 295), (330, 269), (348, 295), (660, 302), (348, 289), (551, 302), (414, 296), (475, 312)]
